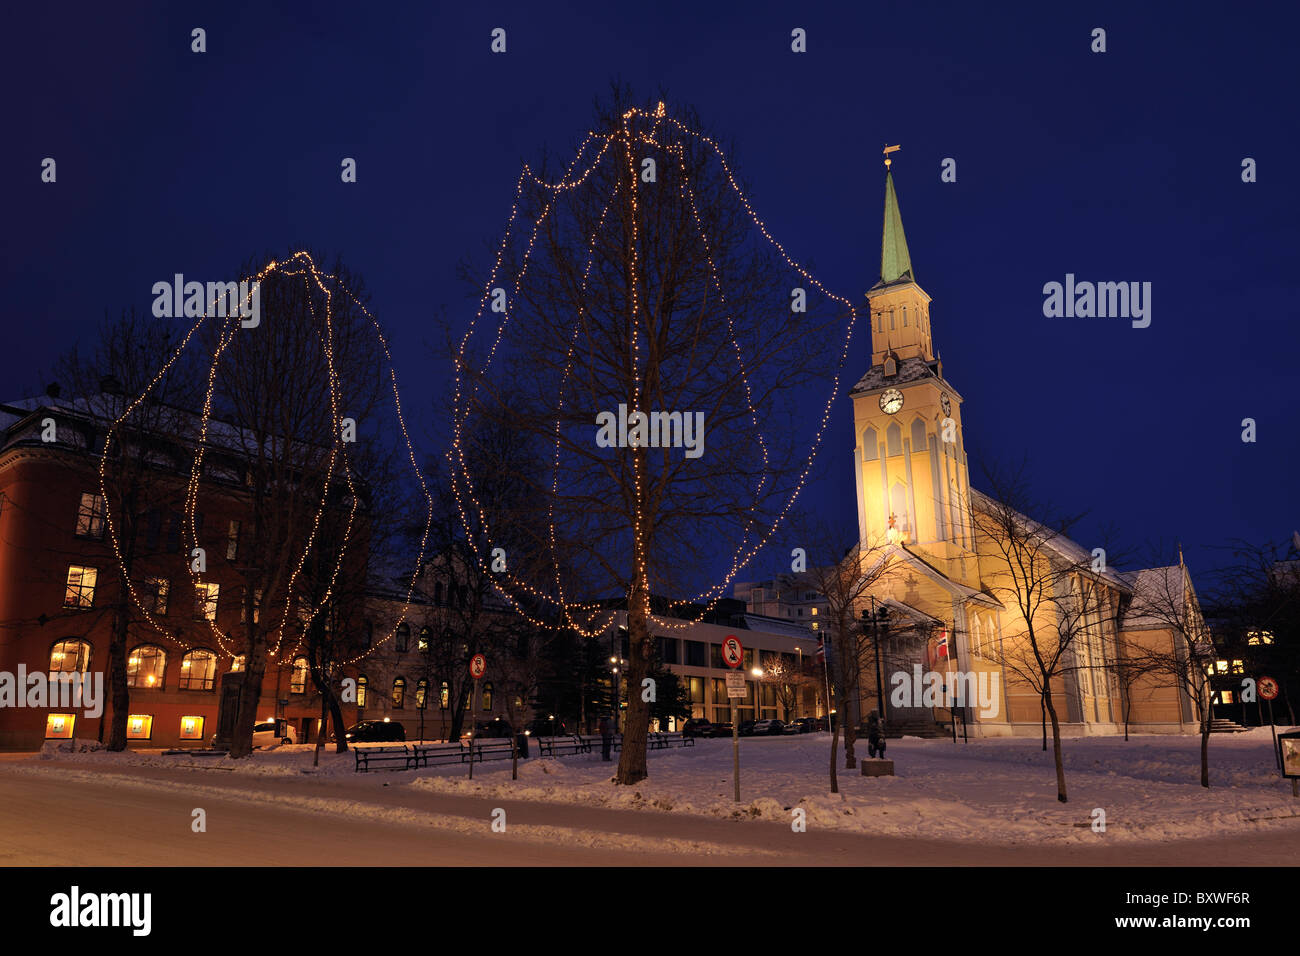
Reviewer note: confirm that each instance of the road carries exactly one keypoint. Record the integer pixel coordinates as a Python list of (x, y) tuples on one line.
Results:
[(134, 816)]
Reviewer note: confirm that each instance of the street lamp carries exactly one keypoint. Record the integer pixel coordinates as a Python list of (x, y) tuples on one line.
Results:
[(874, 619)]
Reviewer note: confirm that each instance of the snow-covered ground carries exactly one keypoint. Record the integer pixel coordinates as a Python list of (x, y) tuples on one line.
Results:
[(1000, 790)]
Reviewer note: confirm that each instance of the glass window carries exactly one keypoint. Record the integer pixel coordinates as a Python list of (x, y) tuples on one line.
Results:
[(870, 445), (205, 601), (298, 680), (90, 516), (487, 696), (70, 656), (667, 649), (422, 643), (403, 637), (198, 670), (894, 440), (918, 435), (145, 667), (696, 654), (153, 595), (232, 541), (362, 685), (720, 691), (421, 692), (80, 591), (715, 656), (59, 726), (192, 728), (444, 696), (237, 663), (399, 693), (139, 726)]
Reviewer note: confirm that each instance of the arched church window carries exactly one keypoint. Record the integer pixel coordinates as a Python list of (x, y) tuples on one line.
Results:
[(891, 320), (904, 316), (894, 439), (918, 435), (898, 508), (870, 445), (976, 639)]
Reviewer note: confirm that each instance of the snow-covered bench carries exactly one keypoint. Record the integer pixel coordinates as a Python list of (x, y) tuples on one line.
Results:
[(492, 749), (561, 746), (434, 755), (667, 741)]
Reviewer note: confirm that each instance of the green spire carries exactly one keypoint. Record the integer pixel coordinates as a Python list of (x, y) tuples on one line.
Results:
[(895, 263)]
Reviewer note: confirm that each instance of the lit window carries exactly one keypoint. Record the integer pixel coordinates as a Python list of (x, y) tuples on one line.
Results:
[(1238, 667), (80, 591), (237, 663), (145, 667), (399, 693), (1259, 637), (153, 595), (59, 726), (90, 517), (205, 601), (421, 690), (422, 644), (257, 607), (191, 728), (1221, 667), (70, 656), (232, 541), (198, 669), (814, 612), (487, 696), (362, 684), (298, 681), (1227, 696), (444, 696), (139, 726)]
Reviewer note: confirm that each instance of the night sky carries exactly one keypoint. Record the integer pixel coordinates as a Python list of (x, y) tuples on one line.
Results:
[(1122, 166)]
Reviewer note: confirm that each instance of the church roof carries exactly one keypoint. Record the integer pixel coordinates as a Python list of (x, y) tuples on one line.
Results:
[(895, 261), (911, 369)]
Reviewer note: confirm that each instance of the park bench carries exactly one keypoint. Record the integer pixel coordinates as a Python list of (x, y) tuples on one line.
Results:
[(561, 746), (434, 755), (387, 758), (491, 749), (668, 741), (592, 743)]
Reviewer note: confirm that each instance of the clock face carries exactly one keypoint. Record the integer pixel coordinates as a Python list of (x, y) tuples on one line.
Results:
[(891, 401), (947, 405)]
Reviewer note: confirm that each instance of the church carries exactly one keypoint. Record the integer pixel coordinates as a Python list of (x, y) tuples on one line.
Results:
[(962, 592)]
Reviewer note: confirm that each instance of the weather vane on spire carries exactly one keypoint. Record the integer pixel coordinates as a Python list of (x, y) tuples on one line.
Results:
[(887, 151)]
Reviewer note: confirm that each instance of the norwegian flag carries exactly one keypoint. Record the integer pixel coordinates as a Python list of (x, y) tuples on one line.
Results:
[(823, 650), (938, 649)]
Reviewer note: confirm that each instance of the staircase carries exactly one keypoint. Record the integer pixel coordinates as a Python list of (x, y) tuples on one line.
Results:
[(1221, 725)]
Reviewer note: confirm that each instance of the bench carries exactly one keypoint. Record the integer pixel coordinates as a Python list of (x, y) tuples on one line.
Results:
[(668, 741), (592, 743), (380, 756), (491, 749), (561, 746), (435, 755)]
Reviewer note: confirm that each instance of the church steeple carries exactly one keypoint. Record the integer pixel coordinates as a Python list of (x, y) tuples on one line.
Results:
[(895, 262), (900, 309)]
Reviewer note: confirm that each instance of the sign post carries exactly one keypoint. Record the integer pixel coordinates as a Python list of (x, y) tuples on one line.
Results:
[(1268, 690), (1288, 751), (732, 655), (477, 667)]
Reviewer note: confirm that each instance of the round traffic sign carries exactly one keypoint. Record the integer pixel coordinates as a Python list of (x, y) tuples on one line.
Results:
[(1267, 688), (477, 666), (732, 653)]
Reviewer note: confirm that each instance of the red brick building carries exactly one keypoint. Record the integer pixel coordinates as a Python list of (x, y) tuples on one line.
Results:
[(59, 585)]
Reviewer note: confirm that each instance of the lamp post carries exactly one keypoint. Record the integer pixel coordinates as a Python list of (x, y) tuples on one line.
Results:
[(616, 663), (874, 618)]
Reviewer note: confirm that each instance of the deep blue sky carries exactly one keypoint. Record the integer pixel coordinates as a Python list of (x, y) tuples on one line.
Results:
[(1122, 166)]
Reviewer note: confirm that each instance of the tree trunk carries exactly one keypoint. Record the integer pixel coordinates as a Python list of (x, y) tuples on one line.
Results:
[(848, 720), (835, 739), (117, 673), (636, 727), (1205, 750), (1043, 710), (1056, 745), (336, 715), (250, 694)]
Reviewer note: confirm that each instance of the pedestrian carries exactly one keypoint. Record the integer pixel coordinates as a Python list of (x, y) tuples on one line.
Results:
[(875, 736), (606, 728)]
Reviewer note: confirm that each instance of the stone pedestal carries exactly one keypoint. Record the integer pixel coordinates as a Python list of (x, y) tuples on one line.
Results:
[(876, 768)]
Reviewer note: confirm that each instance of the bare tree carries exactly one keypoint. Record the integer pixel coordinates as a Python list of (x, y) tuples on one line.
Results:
[(646, 301), (1056, 592), (146, 448), (1164, 598)]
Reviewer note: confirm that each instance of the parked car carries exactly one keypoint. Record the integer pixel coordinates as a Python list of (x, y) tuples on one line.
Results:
[(720, 729), (376, 731), (492, 728), (265, 737), (747, 728), (801, 725), (541, 727), (697, 727), (768, 728)]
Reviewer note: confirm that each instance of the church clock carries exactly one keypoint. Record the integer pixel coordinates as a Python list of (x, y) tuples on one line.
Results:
[(891, 401)]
